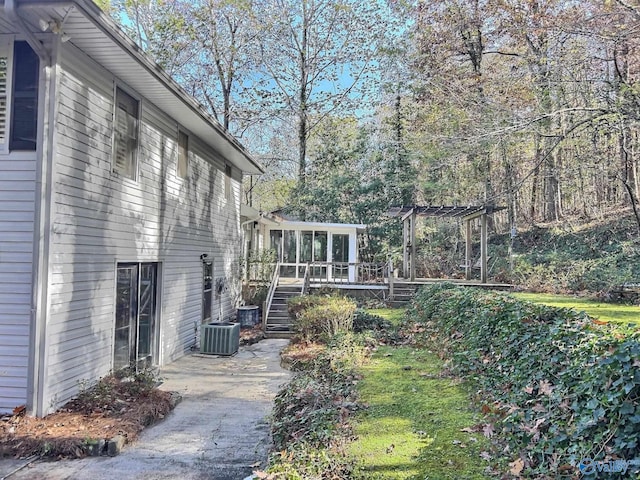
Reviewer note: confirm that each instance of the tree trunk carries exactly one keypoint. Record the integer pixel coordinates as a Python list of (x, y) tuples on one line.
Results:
[(303, 94)]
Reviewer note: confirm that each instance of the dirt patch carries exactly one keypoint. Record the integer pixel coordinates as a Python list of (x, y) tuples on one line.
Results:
[(251, 335), (296, 355)]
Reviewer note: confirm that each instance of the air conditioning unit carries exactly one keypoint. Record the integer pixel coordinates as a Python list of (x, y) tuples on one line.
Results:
[(220, 338)]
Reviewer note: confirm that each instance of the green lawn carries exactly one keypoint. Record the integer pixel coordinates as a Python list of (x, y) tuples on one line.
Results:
[(606, 312), (394, 315), (412, 428)]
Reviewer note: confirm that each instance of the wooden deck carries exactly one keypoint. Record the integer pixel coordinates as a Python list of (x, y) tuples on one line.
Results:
[(457, 281)]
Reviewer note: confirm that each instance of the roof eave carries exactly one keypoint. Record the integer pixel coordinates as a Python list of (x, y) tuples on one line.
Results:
[(241, 158)]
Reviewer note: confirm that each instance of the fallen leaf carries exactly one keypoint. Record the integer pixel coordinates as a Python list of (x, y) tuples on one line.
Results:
[(528, 390), (538, 407), (545, 387), (19, 410), (516, 467), (486, 456), (485, 409), (468, 430), (488, 430)]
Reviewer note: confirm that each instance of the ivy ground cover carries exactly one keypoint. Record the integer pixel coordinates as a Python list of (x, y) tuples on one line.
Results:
[(564, 390)]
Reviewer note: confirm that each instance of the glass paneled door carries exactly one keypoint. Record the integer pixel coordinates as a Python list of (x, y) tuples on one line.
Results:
[(340, 258), (135, 342)]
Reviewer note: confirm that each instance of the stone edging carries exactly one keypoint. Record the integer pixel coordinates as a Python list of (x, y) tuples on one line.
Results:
[(113, 446)]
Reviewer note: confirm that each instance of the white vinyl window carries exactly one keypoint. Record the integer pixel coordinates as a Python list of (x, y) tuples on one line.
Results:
[(183, 154), (5, 69), (125, 138), (19, 72)]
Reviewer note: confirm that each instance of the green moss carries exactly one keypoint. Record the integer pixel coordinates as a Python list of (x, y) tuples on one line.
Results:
[(606, 312), (412, 428)]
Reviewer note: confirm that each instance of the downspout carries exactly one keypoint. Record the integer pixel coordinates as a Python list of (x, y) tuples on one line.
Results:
[(42, 216), (34, 43)]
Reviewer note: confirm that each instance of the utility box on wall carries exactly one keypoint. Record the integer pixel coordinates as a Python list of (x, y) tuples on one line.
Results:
[(220, 338)]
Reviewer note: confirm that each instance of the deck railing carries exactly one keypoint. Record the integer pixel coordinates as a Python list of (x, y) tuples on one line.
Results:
[(348, 272), (269, 299), (322, 272)]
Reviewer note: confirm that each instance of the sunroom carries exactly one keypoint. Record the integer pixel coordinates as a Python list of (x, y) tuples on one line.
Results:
[(329, 250)]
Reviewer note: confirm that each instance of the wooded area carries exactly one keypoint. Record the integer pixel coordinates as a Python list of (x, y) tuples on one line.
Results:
[(357, 106)]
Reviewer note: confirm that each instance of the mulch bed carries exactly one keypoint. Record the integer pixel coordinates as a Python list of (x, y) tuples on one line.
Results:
[(114, 406)]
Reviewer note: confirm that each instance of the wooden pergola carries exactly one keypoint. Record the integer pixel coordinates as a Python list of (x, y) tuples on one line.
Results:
[(409, 215)]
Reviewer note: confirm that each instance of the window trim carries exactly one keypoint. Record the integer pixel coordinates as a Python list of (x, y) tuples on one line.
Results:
[(183, 173), (135, 168)]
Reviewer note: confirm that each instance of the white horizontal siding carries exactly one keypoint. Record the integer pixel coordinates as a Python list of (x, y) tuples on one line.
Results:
[(100, 219), (17, 204)]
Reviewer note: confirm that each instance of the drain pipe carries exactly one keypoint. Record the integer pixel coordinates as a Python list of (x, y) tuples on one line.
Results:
[(34, 43)]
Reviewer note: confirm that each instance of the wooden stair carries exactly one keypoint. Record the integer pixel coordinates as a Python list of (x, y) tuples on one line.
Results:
[(278, 322), (403, 294)]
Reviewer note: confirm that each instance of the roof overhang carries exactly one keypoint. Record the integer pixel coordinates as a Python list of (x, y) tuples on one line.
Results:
[(96, 34), (299, 225)]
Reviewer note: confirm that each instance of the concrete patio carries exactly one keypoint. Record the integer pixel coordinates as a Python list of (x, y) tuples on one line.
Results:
[(218, 432)]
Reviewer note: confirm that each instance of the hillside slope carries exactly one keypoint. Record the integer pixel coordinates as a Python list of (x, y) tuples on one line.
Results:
[(568, 257)]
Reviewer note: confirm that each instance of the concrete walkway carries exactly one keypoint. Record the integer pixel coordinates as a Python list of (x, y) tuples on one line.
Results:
[(218, 432)]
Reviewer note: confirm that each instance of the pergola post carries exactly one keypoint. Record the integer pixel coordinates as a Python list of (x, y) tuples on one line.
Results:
[(405, 248), (467, 250), (469, 213), (413, 246), (483, 248)]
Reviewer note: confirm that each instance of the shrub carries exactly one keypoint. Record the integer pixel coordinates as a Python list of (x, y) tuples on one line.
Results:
[(317, 317), (254, 294), (309, 419), (363, 321), (565, 388)]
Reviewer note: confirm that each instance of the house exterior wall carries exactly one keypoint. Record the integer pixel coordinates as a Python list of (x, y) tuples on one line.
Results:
[(100, 219), (17, 210)]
